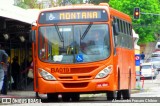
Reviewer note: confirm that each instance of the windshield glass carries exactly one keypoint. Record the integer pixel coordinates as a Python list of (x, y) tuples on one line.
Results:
[(74, 43), (154, 59), (146, 66)]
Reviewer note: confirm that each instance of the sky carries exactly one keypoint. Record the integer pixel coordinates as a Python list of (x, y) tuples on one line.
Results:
[(8, 2)]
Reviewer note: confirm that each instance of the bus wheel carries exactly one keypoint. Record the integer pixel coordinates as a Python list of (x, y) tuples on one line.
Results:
[(66, 97), (52, 97), (37, 95), (126, 94), (111, 95), (119, 95), (75, 97)]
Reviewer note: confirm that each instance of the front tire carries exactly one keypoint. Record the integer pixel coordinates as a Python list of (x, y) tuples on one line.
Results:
[(52, 97), (111, 95), (66, 97), (119, 95), (75, 97), (126, 94)]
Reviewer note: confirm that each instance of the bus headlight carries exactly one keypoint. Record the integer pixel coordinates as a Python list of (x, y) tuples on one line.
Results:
[(104, 72), (46, 75)]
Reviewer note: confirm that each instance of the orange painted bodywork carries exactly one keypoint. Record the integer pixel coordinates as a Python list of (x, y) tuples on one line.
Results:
[(81, 77)]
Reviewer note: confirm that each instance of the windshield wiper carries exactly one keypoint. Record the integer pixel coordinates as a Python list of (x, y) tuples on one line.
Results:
[(59, 33), (86, 31)]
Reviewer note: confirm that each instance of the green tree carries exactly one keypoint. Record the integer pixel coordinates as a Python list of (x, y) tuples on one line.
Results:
[(75, 1), (148, 24), (89, 1), (55, 3), (27, 4), (98, 1)]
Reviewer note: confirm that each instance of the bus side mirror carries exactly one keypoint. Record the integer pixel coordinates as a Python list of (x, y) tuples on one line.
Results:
[(115, 29), (32, 36)]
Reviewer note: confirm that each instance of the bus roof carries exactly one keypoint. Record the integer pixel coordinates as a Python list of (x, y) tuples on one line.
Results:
[(119, 14)]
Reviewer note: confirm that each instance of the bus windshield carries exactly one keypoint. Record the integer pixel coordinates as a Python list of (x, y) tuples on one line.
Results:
[(73, 43)]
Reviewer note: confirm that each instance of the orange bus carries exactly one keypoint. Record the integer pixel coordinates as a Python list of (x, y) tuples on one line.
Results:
[(83, 49)]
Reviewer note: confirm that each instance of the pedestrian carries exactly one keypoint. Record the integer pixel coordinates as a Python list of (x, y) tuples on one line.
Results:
[(6, 78), (3, 62), (142, 57), (30, 73), (24, 69), (15, 72)]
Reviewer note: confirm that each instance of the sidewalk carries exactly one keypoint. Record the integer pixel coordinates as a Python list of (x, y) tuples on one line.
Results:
[(19, 94)]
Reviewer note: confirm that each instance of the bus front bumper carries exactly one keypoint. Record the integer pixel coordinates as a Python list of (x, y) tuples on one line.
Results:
[(95, 85)]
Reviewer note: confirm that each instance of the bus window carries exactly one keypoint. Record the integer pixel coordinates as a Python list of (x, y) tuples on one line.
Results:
[(41, 46), (66, 43)]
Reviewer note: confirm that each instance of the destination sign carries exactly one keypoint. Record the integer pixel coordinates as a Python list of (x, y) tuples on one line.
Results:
[(73, 16)]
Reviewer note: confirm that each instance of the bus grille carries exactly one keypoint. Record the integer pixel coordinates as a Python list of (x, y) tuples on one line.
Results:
[(77, 74), (75, 85)]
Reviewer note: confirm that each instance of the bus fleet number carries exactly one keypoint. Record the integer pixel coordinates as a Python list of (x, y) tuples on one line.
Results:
[(60, 70)]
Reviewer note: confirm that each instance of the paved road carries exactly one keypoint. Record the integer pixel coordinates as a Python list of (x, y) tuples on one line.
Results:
[(151, 88)]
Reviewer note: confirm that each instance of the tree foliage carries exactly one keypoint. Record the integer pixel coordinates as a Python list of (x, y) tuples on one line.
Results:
[(75, 1), (98, 1), (148, 24), (27, 4)]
